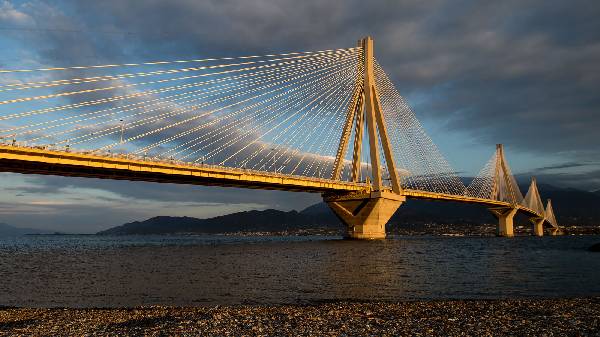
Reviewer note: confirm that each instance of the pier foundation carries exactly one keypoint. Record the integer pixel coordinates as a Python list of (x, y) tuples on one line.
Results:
[(538, 226), (505, 217), (365, 214)]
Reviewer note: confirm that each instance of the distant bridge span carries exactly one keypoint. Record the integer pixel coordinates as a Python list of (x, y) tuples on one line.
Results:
[(307, 138)]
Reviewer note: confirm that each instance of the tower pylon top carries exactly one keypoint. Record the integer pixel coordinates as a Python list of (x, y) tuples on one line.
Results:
[(366, 106)]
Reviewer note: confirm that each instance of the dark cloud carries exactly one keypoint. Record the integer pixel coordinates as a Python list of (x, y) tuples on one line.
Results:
[(562, 166), (586, 181), (523, 73), (520, 72)]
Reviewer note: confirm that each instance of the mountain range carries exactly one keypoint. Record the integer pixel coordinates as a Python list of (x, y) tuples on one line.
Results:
[(572, 207), (7, 230), (269, 220)]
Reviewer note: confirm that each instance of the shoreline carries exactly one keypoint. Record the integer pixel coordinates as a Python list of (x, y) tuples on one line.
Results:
[(554, 316), (485, 230)]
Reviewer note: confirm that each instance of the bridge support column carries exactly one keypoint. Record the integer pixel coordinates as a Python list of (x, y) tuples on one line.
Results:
[(538, 226), (554, 231), (505, 217), (365, 214)]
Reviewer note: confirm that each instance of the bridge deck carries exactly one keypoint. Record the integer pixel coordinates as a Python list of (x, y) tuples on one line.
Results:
[(49, 162), (33, 160), (416, 194)]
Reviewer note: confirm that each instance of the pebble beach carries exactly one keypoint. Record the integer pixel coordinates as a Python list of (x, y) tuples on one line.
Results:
[(523, 317)]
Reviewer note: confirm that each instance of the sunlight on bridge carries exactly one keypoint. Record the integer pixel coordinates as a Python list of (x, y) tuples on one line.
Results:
[(293, 121)]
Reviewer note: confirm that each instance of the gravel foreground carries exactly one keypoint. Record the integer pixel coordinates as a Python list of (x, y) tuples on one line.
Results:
[(555, 317)]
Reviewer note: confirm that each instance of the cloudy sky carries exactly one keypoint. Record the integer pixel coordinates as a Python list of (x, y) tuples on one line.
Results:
[(524, 73)]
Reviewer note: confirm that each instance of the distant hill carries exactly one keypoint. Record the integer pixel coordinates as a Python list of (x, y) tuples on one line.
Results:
[(269, 220), (7, 230), (572, 207), (415, 212)]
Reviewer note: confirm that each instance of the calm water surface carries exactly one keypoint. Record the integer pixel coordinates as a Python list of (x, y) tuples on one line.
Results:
[(105, 271)]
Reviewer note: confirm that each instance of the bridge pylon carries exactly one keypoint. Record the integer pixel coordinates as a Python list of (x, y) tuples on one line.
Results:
[(505, 217), (366, 214), (534, 201), (504, 188), (538, 226), (551, 218)]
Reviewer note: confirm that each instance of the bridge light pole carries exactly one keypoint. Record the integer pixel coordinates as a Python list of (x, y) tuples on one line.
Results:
[(122, 130)]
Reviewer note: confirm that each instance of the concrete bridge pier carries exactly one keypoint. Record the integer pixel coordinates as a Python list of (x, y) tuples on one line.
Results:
[(538, 226), (505, 217), (365, 214)]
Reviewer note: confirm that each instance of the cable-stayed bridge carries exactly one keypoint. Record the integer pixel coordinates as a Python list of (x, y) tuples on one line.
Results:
[(328, 122)]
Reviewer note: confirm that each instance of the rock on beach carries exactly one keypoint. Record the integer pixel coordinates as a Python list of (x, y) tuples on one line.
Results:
[(548, 317)]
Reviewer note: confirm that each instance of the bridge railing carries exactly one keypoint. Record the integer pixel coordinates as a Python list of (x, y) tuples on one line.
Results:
[(149, 159)]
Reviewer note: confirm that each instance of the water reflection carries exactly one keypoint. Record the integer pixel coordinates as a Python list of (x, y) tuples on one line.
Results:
[(127, 271)]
